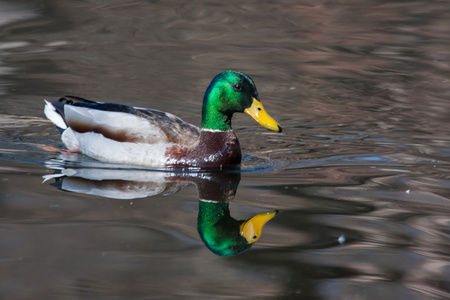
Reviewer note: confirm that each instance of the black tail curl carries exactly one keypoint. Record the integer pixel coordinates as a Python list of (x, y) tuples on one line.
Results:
[(71, 99)]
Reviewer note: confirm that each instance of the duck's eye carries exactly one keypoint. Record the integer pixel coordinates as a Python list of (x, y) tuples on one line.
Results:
[(237, 87)]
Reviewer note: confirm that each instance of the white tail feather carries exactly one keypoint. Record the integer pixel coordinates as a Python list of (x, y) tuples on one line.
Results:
[(52, 115)]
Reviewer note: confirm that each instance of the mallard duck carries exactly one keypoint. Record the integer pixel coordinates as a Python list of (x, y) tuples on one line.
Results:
[(124, 134)]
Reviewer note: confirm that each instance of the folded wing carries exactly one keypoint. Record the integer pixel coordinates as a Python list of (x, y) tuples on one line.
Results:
[(124, 123)]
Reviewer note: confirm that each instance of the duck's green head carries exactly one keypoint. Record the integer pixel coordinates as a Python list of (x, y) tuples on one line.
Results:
[(230, 92), (226, 236)]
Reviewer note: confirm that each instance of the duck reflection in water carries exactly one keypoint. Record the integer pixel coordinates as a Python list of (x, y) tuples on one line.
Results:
[(221, 233)]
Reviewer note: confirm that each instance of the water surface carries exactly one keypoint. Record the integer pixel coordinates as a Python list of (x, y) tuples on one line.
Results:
[(360, 174)]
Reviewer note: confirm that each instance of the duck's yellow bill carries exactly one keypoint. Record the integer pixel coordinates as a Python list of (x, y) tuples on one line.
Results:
[(257, 112), (252, 228)]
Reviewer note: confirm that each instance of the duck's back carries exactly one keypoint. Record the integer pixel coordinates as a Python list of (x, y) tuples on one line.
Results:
[(120, 133), (124, 123)]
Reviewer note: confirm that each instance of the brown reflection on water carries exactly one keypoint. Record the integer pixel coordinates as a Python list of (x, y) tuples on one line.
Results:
[(221, 233)]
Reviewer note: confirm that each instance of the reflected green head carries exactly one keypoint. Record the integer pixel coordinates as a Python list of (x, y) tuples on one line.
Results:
[(219, 231)]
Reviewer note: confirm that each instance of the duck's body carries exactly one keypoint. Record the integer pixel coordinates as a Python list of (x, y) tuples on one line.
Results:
[(213, 149), (130, 135)]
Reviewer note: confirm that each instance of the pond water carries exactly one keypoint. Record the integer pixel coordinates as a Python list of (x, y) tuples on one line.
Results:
[(360, 175)]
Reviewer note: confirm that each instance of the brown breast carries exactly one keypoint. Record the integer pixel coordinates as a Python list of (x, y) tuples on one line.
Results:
[(215, 150)]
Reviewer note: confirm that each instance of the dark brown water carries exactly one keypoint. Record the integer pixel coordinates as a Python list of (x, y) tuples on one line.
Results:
[(360, 174)]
